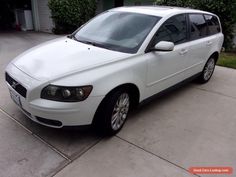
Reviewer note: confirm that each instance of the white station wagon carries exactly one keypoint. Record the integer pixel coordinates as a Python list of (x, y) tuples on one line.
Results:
[(112, 63)]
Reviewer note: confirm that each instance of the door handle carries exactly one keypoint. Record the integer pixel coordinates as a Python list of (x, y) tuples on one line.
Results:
[(209, 43), (183, 52)]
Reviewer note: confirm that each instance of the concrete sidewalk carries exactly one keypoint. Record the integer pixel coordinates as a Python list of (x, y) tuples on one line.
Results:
[(192, 126)]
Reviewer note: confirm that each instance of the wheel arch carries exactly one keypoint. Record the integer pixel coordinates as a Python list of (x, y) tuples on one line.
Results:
[(132, 89), (215, 55)]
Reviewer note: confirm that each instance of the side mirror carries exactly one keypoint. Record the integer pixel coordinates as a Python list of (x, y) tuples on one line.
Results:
[(164, 46)]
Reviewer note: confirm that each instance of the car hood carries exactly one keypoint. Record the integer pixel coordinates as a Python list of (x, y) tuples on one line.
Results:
[(59, 57)]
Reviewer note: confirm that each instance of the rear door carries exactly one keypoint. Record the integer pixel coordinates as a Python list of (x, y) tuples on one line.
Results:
[(215, 36), (200, 44)]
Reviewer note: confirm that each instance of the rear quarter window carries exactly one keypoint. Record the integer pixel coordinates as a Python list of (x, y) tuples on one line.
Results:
[(198, 26), (213, 24)]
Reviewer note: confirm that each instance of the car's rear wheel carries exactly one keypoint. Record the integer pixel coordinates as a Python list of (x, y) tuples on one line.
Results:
[(208, 71), (113, 112)]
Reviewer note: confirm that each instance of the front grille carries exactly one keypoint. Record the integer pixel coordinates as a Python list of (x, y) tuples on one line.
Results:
[(16, 85)]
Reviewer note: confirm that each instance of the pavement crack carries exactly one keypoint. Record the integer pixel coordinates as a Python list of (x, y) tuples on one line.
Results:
[(68, 159), (214, 92), (59, 170), (36, 136), (162, 158)]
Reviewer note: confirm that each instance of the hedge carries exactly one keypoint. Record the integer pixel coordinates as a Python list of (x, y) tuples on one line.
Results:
[(68, 15)]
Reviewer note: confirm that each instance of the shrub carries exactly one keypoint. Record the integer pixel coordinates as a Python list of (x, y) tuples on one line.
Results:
[(225, 9), (68, 15)]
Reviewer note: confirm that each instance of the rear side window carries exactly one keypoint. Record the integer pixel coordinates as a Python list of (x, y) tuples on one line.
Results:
[(173, 30), (213, 24), (198, 28)]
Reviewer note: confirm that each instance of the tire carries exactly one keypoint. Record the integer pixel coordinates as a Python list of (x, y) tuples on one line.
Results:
[(207, 71), (113, 112)]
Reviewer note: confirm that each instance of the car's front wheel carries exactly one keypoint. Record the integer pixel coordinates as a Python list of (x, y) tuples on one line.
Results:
[(208, 70), (113, 112)]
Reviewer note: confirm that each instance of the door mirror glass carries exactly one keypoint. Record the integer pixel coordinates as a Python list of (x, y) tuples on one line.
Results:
[(164, 46)]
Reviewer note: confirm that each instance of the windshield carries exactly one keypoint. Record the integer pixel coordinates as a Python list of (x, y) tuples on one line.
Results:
[(119, 31)]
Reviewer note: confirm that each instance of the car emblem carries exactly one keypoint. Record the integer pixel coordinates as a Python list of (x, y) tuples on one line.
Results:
[(14, 84)]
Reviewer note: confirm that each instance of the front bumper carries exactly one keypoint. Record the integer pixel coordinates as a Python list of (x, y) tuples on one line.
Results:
[(69, 114), (51, 113)]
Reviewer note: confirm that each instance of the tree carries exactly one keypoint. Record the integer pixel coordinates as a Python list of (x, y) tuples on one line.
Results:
[(225, 9)]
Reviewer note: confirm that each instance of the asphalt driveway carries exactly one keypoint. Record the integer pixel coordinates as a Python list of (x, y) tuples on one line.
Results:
[(193, 126)]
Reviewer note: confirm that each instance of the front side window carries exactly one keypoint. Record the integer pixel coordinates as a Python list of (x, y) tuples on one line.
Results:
[(198, 26), (173, 30), (119, 31), (213, 24)]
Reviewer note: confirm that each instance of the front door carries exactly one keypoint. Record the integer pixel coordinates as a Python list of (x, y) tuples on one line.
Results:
[(168, 68)]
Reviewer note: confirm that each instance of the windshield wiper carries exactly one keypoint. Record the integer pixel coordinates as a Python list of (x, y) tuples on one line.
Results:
[(93, 43), (88, 42), (71, 36)]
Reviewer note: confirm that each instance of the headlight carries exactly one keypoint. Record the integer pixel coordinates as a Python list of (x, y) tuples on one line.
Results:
[(66, 94)]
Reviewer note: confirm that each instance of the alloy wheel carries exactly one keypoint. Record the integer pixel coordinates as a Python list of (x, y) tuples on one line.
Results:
[(209, 69), (120, 111)]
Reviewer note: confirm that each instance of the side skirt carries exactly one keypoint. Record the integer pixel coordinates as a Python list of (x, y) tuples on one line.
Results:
[(168, 90)]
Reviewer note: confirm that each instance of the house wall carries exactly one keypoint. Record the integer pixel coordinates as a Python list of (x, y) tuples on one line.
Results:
[(41, 16), (34, 5), (44, 13)]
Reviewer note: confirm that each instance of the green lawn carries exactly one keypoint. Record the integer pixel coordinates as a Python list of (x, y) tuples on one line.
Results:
[(227, 60)]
